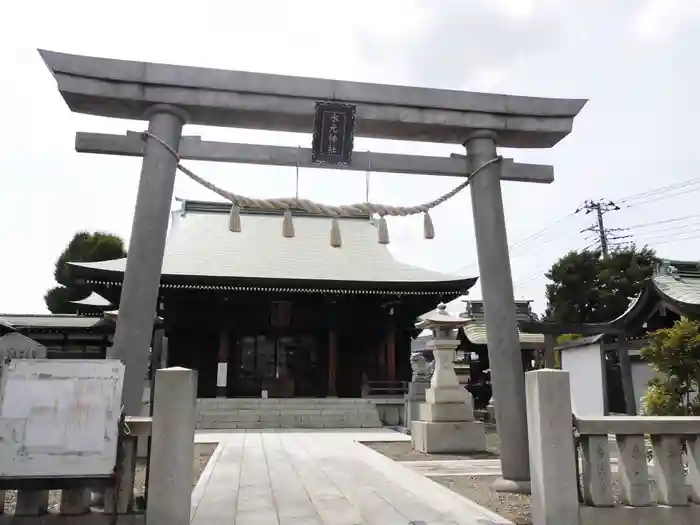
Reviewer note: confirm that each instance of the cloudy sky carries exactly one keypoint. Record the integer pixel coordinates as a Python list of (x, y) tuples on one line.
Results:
[(636, 60)]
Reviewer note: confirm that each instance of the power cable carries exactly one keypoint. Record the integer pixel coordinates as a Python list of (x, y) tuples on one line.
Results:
[(650, 224), (660, 190), (518, 244)]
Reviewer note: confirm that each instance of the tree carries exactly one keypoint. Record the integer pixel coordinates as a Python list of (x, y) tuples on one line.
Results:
[(674, 353), (84, 247), (589, 288)]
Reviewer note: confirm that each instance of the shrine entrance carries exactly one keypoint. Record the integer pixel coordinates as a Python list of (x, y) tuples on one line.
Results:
[(277, 366), (171, 96)]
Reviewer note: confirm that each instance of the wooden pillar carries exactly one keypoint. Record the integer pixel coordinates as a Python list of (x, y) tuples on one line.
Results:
[(391, 353), (222, 364), (626, 375), (332, 362), (550, 342)]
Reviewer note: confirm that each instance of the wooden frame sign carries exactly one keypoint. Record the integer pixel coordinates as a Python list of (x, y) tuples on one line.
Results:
[(334, 131)]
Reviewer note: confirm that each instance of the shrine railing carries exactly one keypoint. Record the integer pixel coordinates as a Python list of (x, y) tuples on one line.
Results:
[(385, 389), (632, 469)]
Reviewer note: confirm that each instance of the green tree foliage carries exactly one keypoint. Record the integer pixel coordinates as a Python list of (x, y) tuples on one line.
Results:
[(84, 247), (589, 288), (674, 353)]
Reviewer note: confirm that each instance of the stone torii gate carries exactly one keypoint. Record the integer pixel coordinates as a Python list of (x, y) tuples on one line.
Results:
[(171, 96)]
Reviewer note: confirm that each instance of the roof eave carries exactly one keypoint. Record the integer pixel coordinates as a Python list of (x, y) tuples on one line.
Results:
[(460, 285)]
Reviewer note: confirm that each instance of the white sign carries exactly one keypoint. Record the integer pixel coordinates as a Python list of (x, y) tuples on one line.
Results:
[(60, 418), (18, 346)]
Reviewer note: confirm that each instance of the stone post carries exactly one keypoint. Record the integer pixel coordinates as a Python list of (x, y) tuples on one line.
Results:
[(507, 377), (139, 297), (172, 447), (552, 460), (446, 422)]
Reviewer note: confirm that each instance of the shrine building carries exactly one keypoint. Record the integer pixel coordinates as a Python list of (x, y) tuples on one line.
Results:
[(260, 314)]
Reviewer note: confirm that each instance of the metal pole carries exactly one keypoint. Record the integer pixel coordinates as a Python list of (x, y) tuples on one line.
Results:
[(507, 375), (139, 297)]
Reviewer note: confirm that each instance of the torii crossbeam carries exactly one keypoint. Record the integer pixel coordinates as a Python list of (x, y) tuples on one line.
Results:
[(170, 96)]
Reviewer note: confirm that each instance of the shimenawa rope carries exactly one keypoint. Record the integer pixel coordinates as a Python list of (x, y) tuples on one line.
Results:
[(352, 210)]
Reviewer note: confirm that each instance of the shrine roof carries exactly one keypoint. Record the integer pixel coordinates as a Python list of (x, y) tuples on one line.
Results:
[(679, 281), (675, 286), (475, 327), (50, 321), (201, 246), (5, 327), (94, 299)]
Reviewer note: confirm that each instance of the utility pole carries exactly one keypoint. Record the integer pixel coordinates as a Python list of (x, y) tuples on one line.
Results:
[(600, 208)]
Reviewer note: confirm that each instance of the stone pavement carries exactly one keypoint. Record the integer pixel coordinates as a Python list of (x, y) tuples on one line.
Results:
[(288, 477)]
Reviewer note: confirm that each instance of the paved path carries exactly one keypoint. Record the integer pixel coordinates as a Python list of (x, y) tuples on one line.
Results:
[(320, 478)]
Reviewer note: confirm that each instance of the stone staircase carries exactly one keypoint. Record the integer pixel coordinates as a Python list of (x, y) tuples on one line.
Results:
[(221, 413)]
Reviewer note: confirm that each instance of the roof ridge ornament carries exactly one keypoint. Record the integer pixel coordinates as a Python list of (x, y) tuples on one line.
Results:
[(327, 210)]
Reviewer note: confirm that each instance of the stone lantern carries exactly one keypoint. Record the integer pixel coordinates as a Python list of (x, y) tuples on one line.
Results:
[(446, 423)]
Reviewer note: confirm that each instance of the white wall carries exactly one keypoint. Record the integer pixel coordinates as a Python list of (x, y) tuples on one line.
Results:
[(585, 367)]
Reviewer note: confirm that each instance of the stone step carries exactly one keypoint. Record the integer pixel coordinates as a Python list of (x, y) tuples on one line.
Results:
[(227, 406), (289, 411), (286, 413)]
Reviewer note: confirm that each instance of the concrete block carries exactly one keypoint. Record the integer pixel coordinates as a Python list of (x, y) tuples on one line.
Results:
[(243, 416), (266, 417), (448, 438), (445, 412), (447, 395)]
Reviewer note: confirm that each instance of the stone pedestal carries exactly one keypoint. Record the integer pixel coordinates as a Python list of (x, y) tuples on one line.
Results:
[(446, 423), (491, 410)]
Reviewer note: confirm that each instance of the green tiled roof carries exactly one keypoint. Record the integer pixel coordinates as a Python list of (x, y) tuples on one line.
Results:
[(679, 281), (475, 328)]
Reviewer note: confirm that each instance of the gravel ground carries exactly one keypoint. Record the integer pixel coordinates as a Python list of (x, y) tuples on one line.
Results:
[(202, 453), (514, 507)]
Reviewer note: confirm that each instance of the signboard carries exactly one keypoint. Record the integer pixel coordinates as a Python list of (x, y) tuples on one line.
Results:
[(18, 346), (60, 418), (334, 131)]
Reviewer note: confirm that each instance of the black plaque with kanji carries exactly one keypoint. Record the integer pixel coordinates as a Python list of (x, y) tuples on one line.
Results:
[(334, 132)]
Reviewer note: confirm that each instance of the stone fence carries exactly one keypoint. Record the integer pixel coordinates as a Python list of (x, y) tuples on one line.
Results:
[(575, 479), (168, 470)]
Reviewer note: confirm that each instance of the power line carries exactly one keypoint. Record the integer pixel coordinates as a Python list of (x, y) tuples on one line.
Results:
[(662, 236), (679, 228), (650, 224), (661, 197), (672, 240), (657, 191), (520, 243)]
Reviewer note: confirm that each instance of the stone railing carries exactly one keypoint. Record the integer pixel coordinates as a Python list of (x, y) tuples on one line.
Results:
[(615, 480), (168, 471)]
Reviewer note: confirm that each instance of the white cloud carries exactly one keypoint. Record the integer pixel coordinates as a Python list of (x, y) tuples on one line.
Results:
[(658, 19), (620, 143)]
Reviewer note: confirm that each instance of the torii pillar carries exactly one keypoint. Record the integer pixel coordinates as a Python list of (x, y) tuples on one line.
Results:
[(507, 374), (481, 121)]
